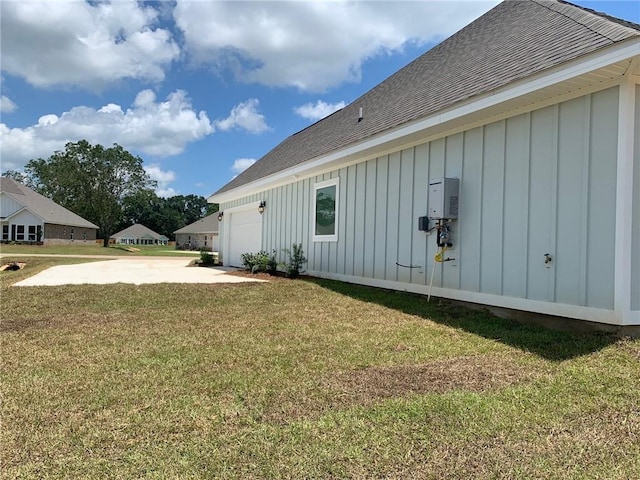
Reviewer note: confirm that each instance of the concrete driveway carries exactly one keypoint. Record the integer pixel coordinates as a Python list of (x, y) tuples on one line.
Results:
[(136, 271)]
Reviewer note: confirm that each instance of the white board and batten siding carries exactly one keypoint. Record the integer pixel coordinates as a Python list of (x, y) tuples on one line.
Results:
[(542, 182)]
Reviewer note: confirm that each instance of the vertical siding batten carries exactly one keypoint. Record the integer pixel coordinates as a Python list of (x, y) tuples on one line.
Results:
[(553, 220), (359, 218), (586, 180), (380, 248), (351, 219), (405, 214), (370, 219), (341, 246), (393, 199), (602, 211), (420, 189), (454, 148), (502, 212), (469, 223), (540, 208), (571, 203), (491, 204)]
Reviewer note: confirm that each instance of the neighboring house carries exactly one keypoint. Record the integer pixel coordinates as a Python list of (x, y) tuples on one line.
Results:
[(138, 234), (26, 216), (535, 109), (202, 234)]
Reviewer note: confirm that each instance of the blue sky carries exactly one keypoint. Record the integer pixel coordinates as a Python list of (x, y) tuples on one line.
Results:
[(201, 89)]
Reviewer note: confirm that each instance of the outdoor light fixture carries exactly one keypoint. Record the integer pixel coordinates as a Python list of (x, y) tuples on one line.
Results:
[(220, 215), (262, 206)]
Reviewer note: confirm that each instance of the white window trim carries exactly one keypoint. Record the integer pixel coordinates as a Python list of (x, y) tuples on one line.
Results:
[(327, 183)]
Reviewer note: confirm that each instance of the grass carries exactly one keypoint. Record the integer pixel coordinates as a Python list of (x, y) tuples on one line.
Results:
[(302, 379), (114, 250)]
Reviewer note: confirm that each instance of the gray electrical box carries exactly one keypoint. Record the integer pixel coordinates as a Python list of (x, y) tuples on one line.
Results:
[(443, 198)]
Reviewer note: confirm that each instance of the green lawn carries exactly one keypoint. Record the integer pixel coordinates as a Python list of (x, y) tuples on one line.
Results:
[(302, 379), (115, 250)]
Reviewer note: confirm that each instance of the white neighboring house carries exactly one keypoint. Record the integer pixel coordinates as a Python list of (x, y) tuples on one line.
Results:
[(534, 108), (201, 234), (138, 234), (28, 217)]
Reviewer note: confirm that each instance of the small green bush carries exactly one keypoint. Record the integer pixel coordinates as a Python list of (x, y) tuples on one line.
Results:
[(260, 262), (206, 258), (293, 267)]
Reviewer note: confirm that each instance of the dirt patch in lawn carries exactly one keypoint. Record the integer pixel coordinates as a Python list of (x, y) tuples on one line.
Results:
[(476, 374), (368, 386)]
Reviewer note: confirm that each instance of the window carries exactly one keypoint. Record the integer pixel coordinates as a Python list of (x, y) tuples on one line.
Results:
[(72, 234), (325, 211), (20, 234), (5, 232), (32, 233)]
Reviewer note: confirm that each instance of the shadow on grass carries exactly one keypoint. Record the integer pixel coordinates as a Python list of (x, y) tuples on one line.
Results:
[(547, 343)]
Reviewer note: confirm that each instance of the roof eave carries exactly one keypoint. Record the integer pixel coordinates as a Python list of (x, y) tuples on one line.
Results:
[(618, 52)]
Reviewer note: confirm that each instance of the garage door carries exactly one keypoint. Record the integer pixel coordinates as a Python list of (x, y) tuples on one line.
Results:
[(245, 235)]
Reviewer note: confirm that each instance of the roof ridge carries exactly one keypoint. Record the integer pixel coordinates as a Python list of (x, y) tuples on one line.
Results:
[(601, 15)]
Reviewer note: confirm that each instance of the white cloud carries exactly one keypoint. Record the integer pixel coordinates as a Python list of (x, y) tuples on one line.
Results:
[(163, 177), (241, 164), (148, 126), (318, 110), (77, 43), (312, 45), (245, 115), (6, 105)]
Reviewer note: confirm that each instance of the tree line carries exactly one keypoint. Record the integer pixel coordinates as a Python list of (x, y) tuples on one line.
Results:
[(110, 188)]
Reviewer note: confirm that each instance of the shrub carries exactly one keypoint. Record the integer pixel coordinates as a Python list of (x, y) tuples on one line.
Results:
[(293, 267), (260, 262), (206, 258)]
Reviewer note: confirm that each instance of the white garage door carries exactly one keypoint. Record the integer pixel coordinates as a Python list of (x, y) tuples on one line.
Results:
[(245, 235)]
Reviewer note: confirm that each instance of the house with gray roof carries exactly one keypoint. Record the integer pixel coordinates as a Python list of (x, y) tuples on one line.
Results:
[(199, 235), (138, 234), (501, 167), (28, 217)]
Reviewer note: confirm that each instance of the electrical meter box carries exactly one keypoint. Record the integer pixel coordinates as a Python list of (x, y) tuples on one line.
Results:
[(443, 198)]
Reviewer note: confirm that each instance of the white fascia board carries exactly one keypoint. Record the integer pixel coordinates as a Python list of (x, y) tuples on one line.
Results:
[(608, 56), (591, 314)]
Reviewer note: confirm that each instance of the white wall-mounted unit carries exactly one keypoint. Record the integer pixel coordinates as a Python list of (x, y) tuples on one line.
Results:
[(443, 198)]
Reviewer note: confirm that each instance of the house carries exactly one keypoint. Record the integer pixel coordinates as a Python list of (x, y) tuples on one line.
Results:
[(138, 234), (202, 234), (501, 168), (26, 216)]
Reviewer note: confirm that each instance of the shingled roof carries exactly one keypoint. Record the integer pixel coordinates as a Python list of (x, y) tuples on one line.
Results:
[(204, 225), (513, 41), (137, 230), (45, 208)]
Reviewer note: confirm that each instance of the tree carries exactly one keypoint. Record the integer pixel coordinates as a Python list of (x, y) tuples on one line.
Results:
[(17, 176), (190, 207), (164, 215), (91, 180)]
